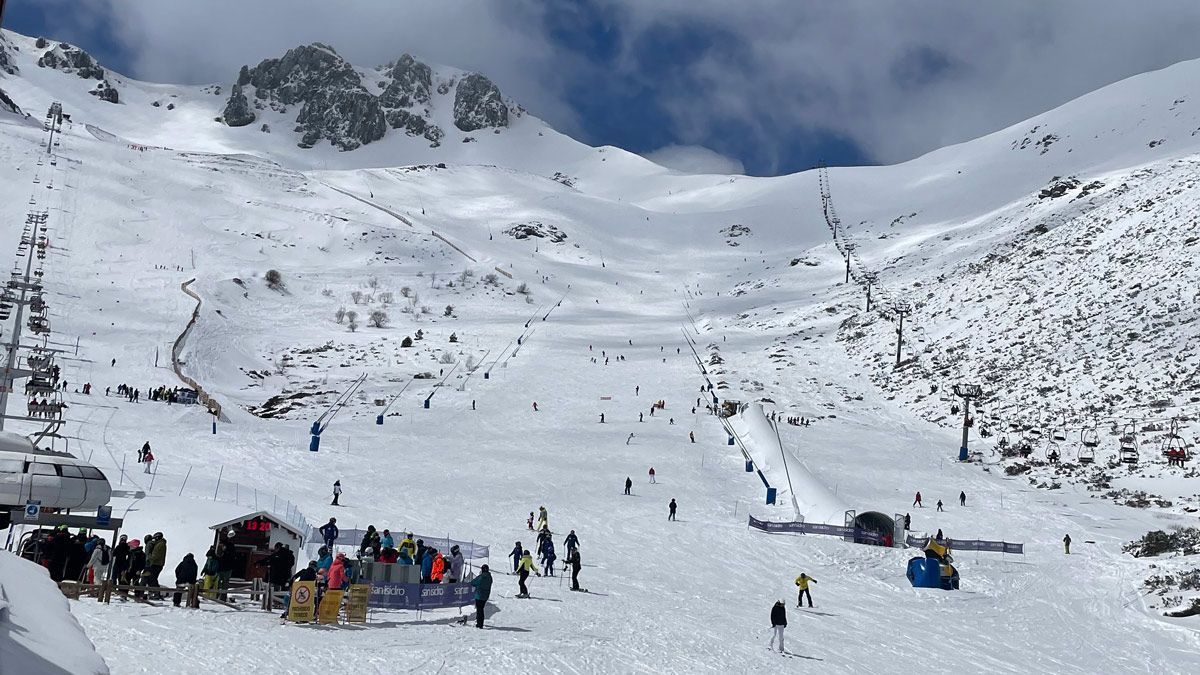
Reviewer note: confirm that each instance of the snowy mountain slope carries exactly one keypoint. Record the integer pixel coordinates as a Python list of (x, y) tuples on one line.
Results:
[(37, 632), (646, 252)]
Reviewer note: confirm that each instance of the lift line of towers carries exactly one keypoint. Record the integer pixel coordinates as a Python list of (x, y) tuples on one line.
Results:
[(23, 299), (1173, 446)]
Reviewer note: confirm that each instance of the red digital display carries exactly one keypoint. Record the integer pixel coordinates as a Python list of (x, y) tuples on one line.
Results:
[(258, 526)]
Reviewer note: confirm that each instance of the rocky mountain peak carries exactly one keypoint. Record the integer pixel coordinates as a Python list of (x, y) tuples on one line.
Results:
[(7, 64), (337, 105)]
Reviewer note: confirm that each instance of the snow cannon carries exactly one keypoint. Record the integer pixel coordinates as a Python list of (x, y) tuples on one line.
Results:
[(935, 570)]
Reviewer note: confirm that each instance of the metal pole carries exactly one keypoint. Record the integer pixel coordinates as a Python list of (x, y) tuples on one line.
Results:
[(899, 338), (218, 488), (966, 417), (185, 477)]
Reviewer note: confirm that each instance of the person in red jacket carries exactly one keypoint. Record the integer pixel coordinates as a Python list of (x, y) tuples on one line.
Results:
[(337, 573), (917, 500), (388, 555)]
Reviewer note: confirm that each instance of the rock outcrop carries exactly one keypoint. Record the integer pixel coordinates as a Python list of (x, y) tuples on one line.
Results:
[(71, 59), (237, 111), (106, 92), (478, 104)]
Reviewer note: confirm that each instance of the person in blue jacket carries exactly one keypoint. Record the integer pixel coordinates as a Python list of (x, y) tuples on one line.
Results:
[(572, 543), (427, 566), (386, 540), (403, 557), (516, 554), (329, 532)]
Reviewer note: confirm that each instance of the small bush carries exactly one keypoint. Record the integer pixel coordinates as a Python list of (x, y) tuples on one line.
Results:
[(325, 292), (339, 314), (405, 291), (357, 297), (373, 283), (446, 357), (387, 297), (523, 288), (274, 279), (378, 319), (491, 279), (352, 320), (449, 311)]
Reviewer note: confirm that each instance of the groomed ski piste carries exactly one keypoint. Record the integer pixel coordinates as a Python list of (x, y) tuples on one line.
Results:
[(644, 262)]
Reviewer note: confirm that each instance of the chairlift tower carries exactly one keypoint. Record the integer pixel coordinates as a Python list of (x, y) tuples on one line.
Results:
[(849, 249), (902, 309), (968, 393), (872, 278)]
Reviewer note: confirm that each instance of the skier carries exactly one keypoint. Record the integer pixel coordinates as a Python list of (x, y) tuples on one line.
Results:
[(523, 571), (516, 553), (778, 623), (652, 474), (386, 540), (907, 522), (148, 460), (337, 492), (408, 548), (630, 438), (529, 523), (692, 436), (427, 565), (962, 498), (802, 583), (1067, 544), (939, 505), (640, 419), (601, 418), (483, 590), (573, 559), (535, 408), (548, 558), (671, 506), (543, 519), (144, 451), (571, 543), (628, 484), (329, 532), (438, 570), (917, 501), (637, 390)]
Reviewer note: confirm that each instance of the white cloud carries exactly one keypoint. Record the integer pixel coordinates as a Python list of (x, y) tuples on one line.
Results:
[(762, 76), (695, 159)]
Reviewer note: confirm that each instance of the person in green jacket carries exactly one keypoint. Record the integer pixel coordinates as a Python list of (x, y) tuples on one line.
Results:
[(523, 571), (211, 568), (156, 559), (483, 590)]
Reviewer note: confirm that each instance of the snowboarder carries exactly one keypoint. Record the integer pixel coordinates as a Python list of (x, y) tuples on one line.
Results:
[(962, 498), (651, 475), (337, 492), (516, 554), (523, 571), (778, 623), (802, 583), (939, 505), (573, 559), (917, 501), (630, 438), (628, 484), (671, 508), (483, 591), (1067, 544)]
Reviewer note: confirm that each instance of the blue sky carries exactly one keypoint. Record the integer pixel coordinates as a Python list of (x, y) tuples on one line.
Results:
[(768, 86)]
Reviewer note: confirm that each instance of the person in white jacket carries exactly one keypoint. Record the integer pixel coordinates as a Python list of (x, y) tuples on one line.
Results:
[(456, 565), (95, 566)]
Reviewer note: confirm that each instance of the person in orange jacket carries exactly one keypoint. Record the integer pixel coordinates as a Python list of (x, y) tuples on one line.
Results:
[(439, 568)]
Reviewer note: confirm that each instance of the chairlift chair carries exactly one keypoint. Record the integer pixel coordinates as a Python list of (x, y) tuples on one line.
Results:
[(1128, 453), (1052, 453)]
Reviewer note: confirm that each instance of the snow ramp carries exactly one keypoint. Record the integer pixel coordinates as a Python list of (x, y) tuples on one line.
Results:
[(814, 502)]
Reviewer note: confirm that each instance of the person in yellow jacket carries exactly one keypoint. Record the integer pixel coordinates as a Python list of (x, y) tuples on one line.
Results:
[(523, 570), (543, 521), (802, 583), (409, 545)]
